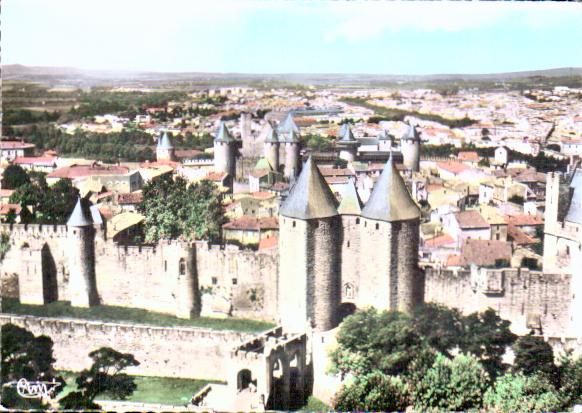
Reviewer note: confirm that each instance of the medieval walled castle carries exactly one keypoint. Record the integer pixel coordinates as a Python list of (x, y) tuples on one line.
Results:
[(332, 258)]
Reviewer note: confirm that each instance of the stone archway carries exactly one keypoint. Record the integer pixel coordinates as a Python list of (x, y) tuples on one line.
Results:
[(346, 309), (244, 379)]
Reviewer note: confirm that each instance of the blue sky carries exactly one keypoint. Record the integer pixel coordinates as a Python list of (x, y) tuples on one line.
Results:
[(292, 36)]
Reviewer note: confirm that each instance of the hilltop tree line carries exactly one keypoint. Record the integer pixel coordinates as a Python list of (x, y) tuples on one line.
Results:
[(439, 359)]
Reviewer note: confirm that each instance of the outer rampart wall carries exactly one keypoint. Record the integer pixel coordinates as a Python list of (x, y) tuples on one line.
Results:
[(513, 293), (162, 351)]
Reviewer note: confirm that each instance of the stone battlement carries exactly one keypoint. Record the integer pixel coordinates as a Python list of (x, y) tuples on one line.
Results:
[(34, 230)]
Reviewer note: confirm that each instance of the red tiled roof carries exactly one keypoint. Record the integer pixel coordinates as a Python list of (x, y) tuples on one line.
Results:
[(484, 252), (253, 224), (5, 193), (5, 145), (259, 173), (453, 260), (453, 167), (270, 242), (471, 219), (470, 156), (216, 176), (262, 195), (130, 198), (336, 179), (186, 153), (439, 241), (336, 171), (6, 208), (518, 236), (35, 160), (524, 220), (79, 171)]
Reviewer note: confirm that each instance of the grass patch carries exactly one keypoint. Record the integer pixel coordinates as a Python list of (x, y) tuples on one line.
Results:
[(163, 390), (315, 405), (131, 315)]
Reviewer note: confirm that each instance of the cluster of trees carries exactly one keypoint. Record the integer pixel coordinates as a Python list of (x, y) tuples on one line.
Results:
[(393, 114), (24, 116), (438, 359), (41, 203), (25, 356), (318, 142), (175, 209)]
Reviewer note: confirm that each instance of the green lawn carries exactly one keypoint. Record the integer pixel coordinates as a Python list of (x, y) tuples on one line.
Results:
[(315, 405), (132, 315), (163, 390)]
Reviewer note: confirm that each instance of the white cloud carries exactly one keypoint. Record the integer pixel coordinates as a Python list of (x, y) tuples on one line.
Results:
[(359, 21)]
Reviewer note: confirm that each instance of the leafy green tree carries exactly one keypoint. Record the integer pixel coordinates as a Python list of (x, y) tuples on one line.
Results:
[(105, 376), (374, 391), (439, 327), (533, 355), (14, 177), (175, 209), (516, 392), (452, 385), (570, 373), (25, 356), (487, 336), (369, 339)]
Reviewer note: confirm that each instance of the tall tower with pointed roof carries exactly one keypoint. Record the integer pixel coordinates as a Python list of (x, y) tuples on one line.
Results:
[(348, 145), (224, 151), (309, 254), (81, 237), (289, 137), (389, 245), (271, 148), (165, 149), (410, 147)]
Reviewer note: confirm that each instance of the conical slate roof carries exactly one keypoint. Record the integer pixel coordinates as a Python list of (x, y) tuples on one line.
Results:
[(310, 197), (272, 136), (164, 142), (223, 135), (351, 203), (390, 200), (288, 125), (348, 136), (385, 136), (292, 137), (411, 133), (81, 216)]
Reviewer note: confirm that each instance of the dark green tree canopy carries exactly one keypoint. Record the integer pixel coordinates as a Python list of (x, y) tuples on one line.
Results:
[(175, 209), (14, 177)]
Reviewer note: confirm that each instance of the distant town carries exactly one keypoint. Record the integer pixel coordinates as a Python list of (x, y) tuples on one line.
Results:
[(248, 239)]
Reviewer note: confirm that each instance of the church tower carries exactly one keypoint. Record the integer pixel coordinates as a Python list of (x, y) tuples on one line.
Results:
[(389, 246), (271, 149), (81, 239), (309, 254), (165, 150), (410, 147), (289, 135), (348, 146), (224, 151)]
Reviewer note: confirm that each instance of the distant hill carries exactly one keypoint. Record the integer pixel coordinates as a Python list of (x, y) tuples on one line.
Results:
[(81, 77)]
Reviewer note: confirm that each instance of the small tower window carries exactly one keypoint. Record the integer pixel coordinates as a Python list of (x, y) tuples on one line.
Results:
[(357, 221), (165, 266), (377, 226), (294, 224), (234, 281), (182, 266), (214, 280), (348, 244)]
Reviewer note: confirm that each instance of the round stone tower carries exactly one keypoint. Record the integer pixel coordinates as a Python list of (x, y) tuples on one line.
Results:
[(410, 148), (289, 136), (224, 151), (309, 253), (389, 246), (165, 149), (348, 146), (271, 149), (81, 255)]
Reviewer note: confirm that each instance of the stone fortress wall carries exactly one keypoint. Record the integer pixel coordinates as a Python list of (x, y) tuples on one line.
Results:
[(167, 277), (529, 299), (163, 351)]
